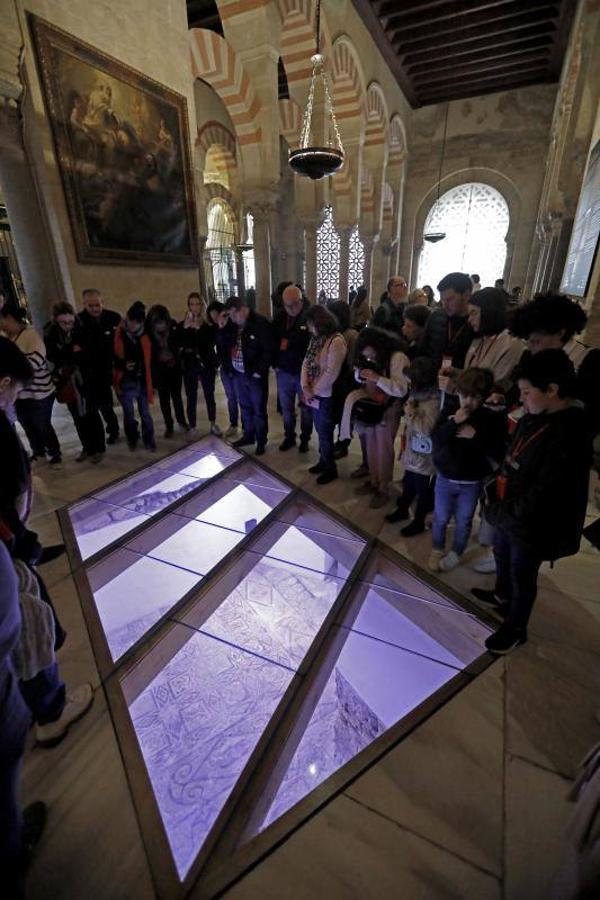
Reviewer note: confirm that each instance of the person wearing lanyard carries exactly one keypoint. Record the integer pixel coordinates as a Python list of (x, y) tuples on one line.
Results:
[(448, 334), (537, 501), (291, 337)]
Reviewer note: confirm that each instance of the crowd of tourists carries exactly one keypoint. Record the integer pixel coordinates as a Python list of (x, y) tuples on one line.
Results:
[(490, 404)]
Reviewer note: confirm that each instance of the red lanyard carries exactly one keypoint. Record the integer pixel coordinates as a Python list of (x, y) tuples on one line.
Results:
[(520, 445), (482, 351)]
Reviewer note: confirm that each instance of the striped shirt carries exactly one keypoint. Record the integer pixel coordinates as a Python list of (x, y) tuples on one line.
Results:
[(30, 343)]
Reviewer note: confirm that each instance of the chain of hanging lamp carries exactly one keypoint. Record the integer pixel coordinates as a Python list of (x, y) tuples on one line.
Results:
[(318, 61)]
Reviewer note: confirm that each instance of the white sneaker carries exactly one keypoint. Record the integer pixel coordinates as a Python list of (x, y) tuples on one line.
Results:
[(435, 557), (231, 431), (78, 703), (214, 429), (449, 561), (485, 565)]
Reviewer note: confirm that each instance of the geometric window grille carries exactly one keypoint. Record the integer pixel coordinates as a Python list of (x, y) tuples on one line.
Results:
[(220, 252), (248, 254), (257, 651), (328, 257), (357, 260), (475, 218)]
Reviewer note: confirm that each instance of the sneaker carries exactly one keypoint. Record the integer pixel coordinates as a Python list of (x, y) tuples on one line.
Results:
[(243, 441), (485, 565), (303, 448), (96, 457), (287, 444), (55, 460), (360, 472), (214, 429), (168, 432), (412, 529), (82, 456), (505, 639), (78, 703), (379, 499), (449, 562), (326, 477), (433, 563), (316, 469), (34, 822), (340, 450), (49, 553), (487, 598), (364, 490), (231, 431), (260, 450), (398, 515), (112, 439)]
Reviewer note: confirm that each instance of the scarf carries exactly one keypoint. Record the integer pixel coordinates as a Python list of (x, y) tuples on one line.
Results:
[(311, 360)]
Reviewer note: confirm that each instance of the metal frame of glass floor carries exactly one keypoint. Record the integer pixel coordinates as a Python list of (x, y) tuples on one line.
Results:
[(257, 652)]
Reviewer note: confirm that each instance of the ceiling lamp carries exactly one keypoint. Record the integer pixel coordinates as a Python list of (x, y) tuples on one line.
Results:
[(434, 236), (317, 162)]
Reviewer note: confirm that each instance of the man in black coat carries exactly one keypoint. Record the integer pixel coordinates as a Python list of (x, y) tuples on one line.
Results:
[(390, 313), (251, 353), (448, 335), (539, 498), (94, 334), (290, 340)]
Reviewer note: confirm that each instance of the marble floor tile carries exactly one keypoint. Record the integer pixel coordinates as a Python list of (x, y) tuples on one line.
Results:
[(552, 695), (348, 852), (91, 846), (568, 620), (575, 576), (537, 813), (445, 781)]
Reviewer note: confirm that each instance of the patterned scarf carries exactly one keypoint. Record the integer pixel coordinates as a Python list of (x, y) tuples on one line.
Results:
[(311, 360)]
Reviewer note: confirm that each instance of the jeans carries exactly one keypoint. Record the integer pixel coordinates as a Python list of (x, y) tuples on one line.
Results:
[(252, 397), (108, 414), (288, 389), (192, 373), (35, 416), (169, 383), (132, 392), (517, 569), (415, 484), (228, 380), (89, 429), (324, 425), (45, 695), (456, 499)]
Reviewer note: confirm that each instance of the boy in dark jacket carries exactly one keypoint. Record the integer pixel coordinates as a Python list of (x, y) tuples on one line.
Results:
[(466, 446), (539, 498)]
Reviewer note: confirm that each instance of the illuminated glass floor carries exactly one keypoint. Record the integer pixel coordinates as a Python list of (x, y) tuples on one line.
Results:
[(253, 647)]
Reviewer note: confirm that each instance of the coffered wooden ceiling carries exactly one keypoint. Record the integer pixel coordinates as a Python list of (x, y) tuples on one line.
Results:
[(449, 49)]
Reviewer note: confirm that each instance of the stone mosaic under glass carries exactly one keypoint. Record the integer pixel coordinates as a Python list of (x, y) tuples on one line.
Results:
[(365, 641)]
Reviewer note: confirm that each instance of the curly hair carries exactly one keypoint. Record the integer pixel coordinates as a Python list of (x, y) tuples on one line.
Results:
[(549, 314), (383, 342)]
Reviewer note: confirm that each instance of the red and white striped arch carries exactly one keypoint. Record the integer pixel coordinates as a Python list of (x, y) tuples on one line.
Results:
[(367, 192), (388, 206), (215, 62), (397, 140), (290, 121), (348, 83), (377, 116), (298, 39)]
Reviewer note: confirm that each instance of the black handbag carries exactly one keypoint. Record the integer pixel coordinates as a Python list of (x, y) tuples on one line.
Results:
[(369, 412)]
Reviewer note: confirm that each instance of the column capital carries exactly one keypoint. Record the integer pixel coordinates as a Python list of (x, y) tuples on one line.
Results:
[(261, 204)]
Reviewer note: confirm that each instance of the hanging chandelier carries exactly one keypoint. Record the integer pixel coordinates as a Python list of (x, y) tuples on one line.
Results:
[(310, 161), (434, 236)]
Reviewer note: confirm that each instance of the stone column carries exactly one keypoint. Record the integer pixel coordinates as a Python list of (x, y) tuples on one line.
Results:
[(310, 251), (262, 257), (203, 286), (344, 281), (239, 268), (369, 246)]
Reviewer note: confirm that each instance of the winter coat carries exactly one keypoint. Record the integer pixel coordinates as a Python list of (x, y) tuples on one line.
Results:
[(290, 339), (389, 316), (138, 352), (446, 336), (469, 459)]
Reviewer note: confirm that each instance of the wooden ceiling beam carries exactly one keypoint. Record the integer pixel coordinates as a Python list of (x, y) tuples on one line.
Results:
[(476, 90), (466, 82), (475, 69), (486, 51), (407, 17), (477, 26), (498, 38)]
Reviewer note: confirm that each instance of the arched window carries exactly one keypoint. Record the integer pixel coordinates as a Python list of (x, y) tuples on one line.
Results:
[(220, 252), (248, 254), (475, 218), (328, 257), (357, 260)]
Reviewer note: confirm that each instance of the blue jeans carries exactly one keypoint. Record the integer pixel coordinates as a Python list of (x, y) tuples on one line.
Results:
[(323, 419), (35, 417), (228, 380), (192, 373), (517, 569), (288, 389), (252, 397), (454, 499), (135, 392)]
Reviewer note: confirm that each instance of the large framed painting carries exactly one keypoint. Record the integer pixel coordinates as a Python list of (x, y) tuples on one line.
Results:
[(122, 148), (586, 231)]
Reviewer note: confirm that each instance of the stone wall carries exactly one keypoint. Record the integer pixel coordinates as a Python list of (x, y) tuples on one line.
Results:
[(500, 139)]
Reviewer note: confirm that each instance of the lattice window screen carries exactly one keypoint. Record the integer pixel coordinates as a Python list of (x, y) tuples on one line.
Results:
[(328, 257), (357, 260)]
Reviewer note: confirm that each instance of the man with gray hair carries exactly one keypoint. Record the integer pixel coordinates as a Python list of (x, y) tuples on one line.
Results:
[(290, 340)]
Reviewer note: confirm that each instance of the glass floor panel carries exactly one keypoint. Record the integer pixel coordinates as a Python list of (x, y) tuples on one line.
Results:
[(304, 515), (266, 607), (371, 687), (230, 504), (97, 524), (132, 593), (197, 721), (182, 542), (316, 550), (383, 572), (435, 631)]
